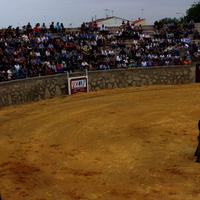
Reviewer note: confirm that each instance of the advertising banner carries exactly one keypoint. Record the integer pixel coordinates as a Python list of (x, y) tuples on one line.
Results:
[(78, 84)]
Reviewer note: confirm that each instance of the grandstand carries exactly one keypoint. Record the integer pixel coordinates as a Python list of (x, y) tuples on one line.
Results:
[(43, 51)]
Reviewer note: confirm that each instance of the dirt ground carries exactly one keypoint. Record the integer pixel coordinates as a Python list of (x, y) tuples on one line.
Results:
[(133, 143)]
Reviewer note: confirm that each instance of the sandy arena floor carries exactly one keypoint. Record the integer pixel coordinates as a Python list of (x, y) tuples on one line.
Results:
[(134, 143)]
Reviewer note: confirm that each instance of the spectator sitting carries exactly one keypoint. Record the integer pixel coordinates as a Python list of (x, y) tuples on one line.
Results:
[(156, 25), (110, 37), (191, 24), (140, 29), (143, 63), (29, 28), (123, 25), (47, 68), (187, 40), (62, 27), (25, 38), (184, 24), (57, 27), (95, 26), (36, 30), (48, 35), (124, 63), (103, 29), (167, 62), (118, 34), (177, 61), (59, 68), (94, 45), (114, 44), (64, 66), (128, 25), (43, 28), (196, 35), (9, 73), (84, 65), (104, 66), (132, 63), (156, 34), (111, 52), (16, 73), (53, 67), (89, 26), (24, 71), (160, 24), (52, 27), (17, 66), (83, 26), (186, 62), (149, 62)]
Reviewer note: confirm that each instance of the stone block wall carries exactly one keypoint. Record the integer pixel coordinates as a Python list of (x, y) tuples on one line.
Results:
[(45, 87), (140, 76), (32, 89)]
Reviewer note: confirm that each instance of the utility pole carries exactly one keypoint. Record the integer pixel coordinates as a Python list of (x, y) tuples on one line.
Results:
[(181, 14), (142, 13), (106, 12)]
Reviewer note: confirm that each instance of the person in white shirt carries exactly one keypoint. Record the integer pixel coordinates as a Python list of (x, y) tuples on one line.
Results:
[(17, 66), (47, 53), (9, 73), (37, 54), (111, 52), (104, 52), (162, 56), (119, 58), (143, 63), (169, 55)]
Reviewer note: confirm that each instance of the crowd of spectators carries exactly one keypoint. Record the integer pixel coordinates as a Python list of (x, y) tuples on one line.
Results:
[(36, 51)]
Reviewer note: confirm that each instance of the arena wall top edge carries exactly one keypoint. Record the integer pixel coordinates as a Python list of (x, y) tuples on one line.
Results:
[(46, 87)]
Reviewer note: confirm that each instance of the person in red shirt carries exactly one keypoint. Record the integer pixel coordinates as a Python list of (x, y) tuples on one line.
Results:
[(36, 30), (95, 26), (59, 68), (133, 48), (186, 62)]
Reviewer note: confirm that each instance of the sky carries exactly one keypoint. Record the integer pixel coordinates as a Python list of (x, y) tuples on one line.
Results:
[(72, 13)]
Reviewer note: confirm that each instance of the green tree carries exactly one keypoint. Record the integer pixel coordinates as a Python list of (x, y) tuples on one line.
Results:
[(169, 20), (194, 12)]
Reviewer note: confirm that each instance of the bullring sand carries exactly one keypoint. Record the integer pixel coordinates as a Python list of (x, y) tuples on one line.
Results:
[(131, 143)]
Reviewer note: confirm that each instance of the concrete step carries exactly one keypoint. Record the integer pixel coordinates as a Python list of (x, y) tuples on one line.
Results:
[(146, 29)]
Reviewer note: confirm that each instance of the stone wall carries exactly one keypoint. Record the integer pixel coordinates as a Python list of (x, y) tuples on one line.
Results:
[(141, 76), (34, 89)]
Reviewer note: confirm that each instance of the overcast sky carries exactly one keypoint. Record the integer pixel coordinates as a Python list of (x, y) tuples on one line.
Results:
[(20, 12)]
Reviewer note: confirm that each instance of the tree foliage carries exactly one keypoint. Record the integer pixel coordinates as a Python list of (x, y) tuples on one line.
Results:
[(169, 20), (194, 12)]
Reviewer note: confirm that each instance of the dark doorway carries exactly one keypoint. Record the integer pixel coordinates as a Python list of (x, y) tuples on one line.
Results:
[(197, 73)]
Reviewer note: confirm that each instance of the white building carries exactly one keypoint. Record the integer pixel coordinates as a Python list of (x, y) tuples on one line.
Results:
[(116, 21)]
